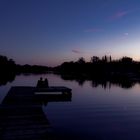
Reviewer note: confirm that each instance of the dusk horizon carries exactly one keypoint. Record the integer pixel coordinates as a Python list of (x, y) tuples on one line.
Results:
[(113, 59), (69, 69), (50, 32)]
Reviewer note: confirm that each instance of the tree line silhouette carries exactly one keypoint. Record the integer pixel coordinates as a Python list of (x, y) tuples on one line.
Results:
[(106, 69), (104, 65), (9, 69), (9, 66), (97, 69)]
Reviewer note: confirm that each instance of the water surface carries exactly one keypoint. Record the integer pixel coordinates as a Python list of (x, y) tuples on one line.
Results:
[(98, 113)]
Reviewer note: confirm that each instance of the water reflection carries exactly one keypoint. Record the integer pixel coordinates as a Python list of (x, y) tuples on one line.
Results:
[(89, 113), (5, 78), (105, 82)]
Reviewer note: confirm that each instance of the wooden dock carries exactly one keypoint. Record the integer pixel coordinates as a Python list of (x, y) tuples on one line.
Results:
[(54, 89), (21, 114)]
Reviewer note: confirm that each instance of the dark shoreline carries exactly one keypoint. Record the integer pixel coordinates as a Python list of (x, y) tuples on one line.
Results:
[(123, 72)]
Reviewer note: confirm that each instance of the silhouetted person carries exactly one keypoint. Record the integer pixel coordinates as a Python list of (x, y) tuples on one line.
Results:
[(40, 82), (46, 84)]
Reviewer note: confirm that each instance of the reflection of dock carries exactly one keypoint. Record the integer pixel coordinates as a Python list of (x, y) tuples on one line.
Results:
[(21, 114)]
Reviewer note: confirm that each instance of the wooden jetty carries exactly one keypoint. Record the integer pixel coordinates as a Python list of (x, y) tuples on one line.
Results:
[(54, 89), (21, 114)]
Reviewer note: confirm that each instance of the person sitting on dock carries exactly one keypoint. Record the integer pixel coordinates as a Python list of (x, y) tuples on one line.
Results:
[(46, 82), (40, 82)]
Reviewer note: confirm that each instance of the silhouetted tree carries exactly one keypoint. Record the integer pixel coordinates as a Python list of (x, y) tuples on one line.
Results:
[(81, 60), (110, 59), (104, 58), (126, 59), (95, 59), (11, 61)]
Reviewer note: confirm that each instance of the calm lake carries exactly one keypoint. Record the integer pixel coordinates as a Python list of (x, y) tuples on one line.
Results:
[(96, 113)]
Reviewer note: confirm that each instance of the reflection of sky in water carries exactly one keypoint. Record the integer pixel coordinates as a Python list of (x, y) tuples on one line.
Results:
[(94, 113)]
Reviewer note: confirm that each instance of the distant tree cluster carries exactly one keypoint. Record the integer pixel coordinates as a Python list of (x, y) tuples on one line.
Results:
[(9, 66), (7, 70), (36, 69), (104, 71), (103, 60), (107, 59), (96, 59), (6, 65), (126, 60), (100, 67)]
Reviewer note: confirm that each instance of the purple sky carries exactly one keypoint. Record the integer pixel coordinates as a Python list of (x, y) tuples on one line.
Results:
[(49, 32)]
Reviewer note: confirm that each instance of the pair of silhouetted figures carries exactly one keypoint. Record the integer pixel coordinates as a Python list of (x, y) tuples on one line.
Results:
[(42, 83)]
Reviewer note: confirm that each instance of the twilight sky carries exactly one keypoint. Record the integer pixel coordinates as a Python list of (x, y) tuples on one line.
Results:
[(49, 32)]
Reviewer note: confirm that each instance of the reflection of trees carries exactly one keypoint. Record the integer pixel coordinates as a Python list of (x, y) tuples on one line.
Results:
[(96, 83), (5, 78), (108, 84), (81, 82), (77, 78), (103, 71), (105, 82), (124, 83)]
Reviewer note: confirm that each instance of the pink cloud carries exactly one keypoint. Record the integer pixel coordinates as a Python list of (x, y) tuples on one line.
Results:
[(76, 51), (94, 30), (119, 14)]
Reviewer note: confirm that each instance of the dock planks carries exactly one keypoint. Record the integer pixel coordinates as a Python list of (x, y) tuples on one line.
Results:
[(21, 114)]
